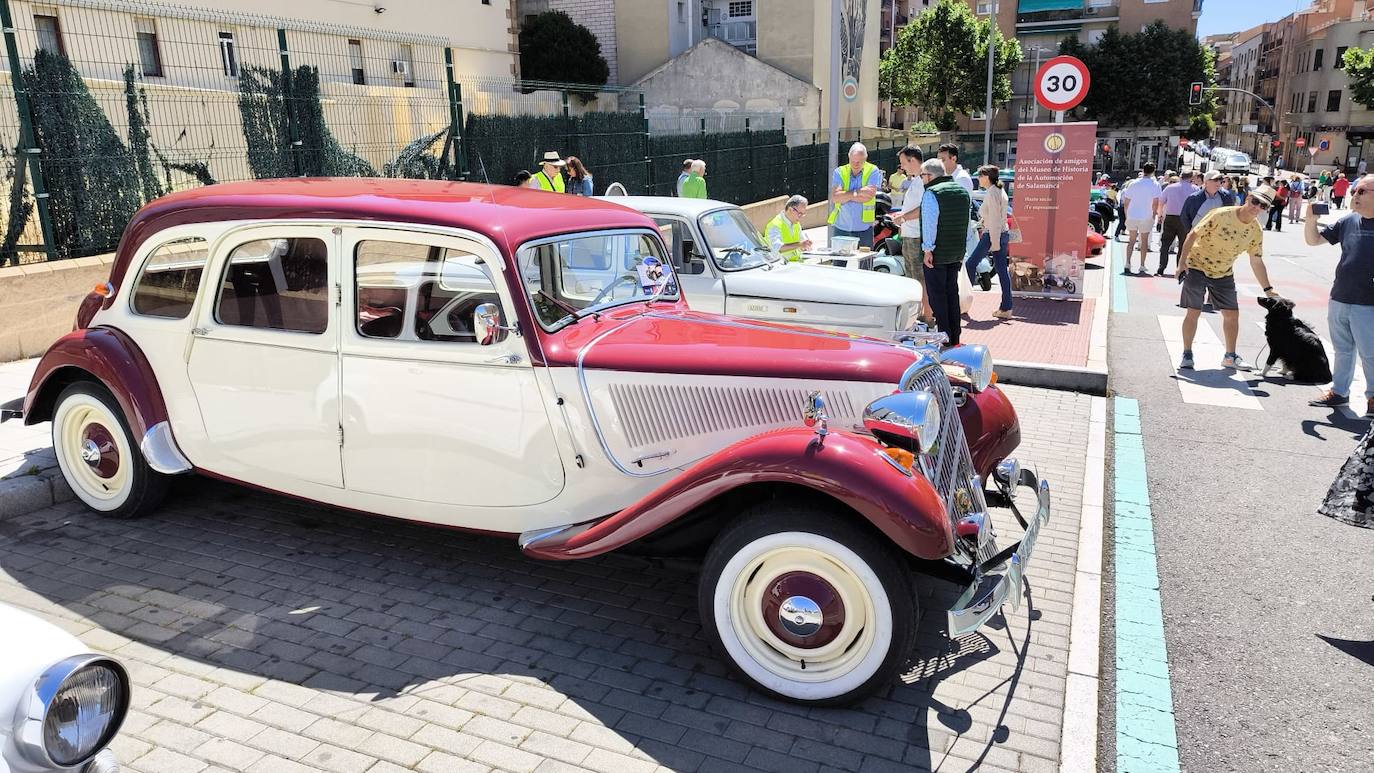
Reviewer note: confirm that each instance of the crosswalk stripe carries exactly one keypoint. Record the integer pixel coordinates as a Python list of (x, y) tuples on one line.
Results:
[(1209, 384)]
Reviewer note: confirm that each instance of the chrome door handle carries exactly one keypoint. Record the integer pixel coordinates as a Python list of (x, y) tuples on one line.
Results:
[(199, 331), (505, 359)]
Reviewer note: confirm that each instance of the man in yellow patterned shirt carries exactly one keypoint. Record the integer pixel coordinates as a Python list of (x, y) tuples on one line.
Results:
[(1205, 265)]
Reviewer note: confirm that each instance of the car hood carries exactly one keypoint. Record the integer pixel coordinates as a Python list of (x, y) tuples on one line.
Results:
[(699, 343), (823, 284)]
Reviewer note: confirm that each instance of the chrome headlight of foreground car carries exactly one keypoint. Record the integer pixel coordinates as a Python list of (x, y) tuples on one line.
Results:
[(72, 711), (907, 420), (973, 362)]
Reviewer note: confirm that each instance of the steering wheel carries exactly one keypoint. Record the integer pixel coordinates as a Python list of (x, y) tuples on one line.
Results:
[(734, 255), (610, 287)]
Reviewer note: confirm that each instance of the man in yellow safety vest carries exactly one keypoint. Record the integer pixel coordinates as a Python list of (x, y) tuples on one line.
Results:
[(784, 231), (550, 176), (853, 187)]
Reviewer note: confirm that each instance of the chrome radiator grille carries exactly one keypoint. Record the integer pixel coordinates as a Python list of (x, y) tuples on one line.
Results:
[(950, 467), (652, 414)]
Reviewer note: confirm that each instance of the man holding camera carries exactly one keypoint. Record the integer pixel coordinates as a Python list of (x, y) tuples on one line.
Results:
[(1350, 312)]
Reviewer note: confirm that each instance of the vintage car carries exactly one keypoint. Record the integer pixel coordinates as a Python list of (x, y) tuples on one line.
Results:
[(524, 363), (60, 704)]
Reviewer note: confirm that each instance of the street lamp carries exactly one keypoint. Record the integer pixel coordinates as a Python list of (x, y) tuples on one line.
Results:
[(987, 112)]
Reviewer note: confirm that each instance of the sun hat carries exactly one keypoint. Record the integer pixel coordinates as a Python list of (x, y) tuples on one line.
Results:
[(1265, 194), (1215, 175), (552, 157)]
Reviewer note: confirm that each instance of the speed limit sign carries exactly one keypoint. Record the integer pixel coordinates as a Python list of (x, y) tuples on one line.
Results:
[(1061, 83)]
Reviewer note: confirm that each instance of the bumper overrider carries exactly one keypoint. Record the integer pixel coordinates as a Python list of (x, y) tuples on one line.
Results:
[(1000, 578)]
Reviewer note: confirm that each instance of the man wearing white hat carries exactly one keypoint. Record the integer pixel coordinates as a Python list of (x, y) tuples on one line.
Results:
[(550, 176)]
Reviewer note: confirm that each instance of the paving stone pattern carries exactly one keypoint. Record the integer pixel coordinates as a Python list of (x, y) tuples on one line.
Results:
[(269, 636)]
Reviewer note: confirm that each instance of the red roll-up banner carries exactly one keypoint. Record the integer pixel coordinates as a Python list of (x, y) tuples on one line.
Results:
[(1054, 164)]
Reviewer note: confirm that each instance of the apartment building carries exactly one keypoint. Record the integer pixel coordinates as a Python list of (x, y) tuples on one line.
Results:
[(655, 46), (381, 68)]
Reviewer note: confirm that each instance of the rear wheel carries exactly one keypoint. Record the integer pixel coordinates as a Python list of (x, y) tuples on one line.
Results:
[(98, 455), (806, 606)]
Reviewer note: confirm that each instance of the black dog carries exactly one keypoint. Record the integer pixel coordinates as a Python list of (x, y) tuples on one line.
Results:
[(1294, 342)]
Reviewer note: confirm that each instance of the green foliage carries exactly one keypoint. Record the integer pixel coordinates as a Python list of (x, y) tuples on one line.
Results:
[(923, 127), (136, 105), (21, 206), (416, 162), (1359, 68), (1142, 79), (87, 168), (268, 117), (555, 48), (939, 64), (1201, 126)]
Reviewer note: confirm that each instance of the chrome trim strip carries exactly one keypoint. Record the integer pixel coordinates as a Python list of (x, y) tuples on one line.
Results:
[(988, 592), (160, 450), (533, 536), (591, 412)]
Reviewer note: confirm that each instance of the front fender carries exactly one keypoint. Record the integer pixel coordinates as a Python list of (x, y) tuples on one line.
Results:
[(849, 468), (991, 427), (111, 357)]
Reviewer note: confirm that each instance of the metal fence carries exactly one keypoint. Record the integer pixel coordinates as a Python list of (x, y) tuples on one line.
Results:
[(105, 106)]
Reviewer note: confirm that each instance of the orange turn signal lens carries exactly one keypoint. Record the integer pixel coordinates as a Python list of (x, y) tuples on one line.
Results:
[(901, 456), (104, 289), (993, 380)]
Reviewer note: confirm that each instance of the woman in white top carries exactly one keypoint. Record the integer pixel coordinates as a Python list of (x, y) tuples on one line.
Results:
[(992, 217)]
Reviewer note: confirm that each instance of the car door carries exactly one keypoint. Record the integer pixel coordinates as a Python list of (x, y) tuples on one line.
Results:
[(705, 291), (263, 360), (429, 413)]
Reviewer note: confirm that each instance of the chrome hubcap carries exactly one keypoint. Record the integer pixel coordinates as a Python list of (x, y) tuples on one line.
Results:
[(90, 453), (800, 616)]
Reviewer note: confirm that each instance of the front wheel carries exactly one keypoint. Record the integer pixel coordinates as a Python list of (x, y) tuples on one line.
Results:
[(881, 269), (806, 606), (98, 456)]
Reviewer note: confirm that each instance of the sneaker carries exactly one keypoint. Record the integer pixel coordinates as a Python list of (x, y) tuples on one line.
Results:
[(1329, 399), (1001, 314), (1187, 362), (1235, 361), (1159, 273)]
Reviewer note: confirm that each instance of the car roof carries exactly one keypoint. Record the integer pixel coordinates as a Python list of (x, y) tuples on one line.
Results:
[(501, 212), (671, 205)]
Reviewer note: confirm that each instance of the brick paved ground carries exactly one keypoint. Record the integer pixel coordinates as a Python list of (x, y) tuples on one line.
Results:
[(266, 635), (1043, 330)]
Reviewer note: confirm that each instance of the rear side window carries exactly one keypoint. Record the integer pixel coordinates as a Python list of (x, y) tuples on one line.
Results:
[(170, 279), (278, 284)]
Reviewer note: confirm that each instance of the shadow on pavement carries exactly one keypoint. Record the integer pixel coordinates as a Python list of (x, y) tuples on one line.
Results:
[(1362, 651), (372, 609)]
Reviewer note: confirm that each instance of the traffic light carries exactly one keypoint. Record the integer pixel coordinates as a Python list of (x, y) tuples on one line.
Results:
[(1195, 93), (1276, 144)]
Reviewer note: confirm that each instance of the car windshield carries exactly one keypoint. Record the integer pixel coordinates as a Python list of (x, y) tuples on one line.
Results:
[(732, 241), (574, 276)]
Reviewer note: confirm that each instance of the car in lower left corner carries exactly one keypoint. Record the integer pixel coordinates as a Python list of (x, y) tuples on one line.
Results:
[(60, 703)]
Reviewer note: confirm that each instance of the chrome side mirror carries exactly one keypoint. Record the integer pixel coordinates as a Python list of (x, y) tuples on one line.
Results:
[(486, 324), (909, 420)]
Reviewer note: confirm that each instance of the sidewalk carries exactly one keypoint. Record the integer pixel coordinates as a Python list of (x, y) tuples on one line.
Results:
[(29, 477), (1058, 344)]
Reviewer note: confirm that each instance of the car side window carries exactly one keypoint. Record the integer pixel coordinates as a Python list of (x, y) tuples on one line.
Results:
[(419, 292), (170, 279), (674, 232), (278, 284)]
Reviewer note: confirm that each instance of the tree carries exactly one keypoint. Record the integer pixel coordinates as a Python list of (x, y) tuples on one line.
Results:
[(1359, 68), (1142, 79), (939, 64), (555, 48)]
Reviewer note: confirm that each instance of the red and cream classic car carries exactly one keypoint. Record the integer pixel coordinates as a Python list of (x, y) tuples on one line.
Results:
[(517, 362)]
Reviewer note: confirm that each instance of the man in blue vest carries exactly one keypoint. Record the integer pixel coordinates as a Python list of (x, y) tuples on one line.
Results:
[(853, 188)]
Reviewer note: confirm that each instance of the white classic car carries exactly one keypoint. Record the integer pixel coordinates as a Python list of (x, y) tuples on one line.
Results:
[(725, 266), (523, 363), (60, 704)]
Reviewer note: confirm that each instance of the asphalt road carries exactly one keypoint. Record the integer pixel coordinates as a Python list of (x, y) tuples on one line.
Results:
[(1268, 610)]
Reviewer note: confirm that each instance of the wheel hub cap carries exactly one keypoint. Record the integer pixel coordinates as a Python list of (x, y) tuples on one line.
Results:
[(800, 616), (98, 450), (90, 453)]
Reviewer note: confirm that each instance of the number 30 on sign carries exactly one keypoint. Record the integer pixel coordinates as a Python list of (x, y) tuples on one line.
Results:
[(1061, 83)]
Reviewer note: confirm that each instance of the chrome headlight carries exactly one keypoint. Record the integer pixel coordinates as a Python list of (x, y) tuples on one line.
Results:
[(73, 711), (909, 420), (975, 362)]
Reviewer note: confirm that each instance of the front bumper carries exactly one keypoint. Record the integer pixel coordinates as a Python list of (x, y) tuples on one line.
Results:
[(996, 585)]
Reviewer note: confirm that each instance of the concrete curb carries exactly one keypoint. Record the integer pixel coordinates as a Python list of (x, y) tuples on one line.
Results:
[(1088, 380), (24, 494), (1078, 742)]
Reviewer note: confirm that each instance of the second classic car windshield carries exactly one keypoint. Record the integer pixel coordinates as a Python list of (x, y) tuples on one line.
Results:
[(573, 276), (732, 241)]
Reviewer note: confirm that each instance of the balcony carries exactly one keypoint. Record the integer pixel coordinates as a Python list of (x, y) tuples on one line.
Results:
[(1050, 13), (740, 34)]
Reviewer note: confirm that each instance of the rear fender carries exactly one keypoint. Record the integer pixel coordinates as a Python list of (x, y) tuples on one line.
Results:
[(849, 468), (106, 355)]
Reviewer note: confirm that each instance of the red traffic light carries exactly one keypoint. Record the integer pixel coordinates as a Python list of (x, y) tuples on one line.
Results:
[(1277, 143), (1195, 93)]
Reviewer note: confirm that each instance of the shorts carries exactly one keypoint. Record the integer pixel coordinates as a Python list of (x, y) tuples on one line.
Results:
[(913, 260), (1197, 286), (1143, 225)]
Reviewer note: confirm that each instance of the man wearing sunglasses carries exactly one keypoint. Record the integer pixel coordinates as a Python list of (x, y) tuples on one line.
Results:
[(1350, 312), (1205, 266)]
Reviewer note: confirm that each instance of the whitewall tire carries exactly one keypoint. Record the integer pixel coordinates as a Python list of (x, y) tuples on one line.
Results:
[(807, 606), (98, 455)]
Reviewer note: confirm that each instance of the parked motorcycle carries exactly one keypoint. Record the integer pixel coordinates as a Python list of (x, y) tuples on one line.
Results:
[(886, 238), (1066, 284)]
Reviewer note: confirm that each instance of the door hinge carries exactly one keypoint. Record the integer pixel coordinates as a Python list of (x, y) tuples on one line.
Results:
[(341, 436), (338, 294)]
